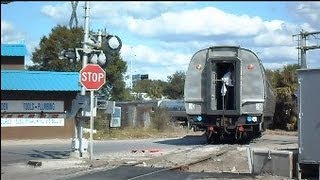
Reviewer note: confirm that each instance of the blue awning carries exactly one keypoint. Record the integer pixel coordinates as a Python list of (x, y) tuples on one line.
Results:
[(39, 80), (13, 50)]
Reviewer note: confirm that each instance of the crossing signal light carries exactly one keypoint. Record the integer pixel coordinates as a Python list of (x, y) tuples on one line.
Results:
[(113, 43)]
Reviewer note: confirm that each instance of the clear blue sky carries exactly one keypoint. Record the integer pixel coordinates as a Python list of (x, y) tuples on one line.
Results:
[(159, 38)]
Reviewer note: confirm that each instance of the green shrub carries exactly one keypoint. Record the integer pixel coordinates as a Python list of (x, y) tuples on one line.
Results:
[(160, 119)]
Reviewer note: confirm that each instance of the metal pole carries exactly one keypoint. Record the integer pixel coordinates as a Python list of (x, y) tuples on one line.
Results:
[(131, 74), (303, 50), (111, 120), (85, 40), (84, 63), (99, 38), (223, 110), (91, 124)]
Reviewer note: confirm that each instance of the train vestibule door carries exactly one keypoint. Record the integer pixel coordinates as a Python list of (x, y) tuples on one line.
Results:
[(221, 90)]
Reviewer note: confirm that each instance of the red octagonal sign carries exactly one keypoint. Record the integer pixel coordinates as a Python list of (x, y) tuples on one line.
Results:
[(92, 77)]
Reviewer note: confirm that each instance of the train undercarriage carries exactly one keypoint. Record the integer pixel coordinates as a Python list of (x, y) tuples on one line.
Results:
[(232, 129)]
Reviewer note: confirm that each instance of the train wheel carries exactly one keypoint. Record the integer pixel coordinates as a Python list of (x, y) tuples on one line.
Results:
[(213, 138), (209, 136), (216, 139)]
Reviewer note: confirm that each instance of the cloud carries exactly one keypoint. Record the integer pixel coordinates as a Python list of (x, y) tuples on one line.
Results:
[(178, 32), (9, 33), (273, 38), (135, 9), (166, 21), (279, 33), (145, 54), (60, 12), (6, 27), (107, 12), (206, 21), (276, 54), (211, 24), (31, 45), (158, 63), (309, 11)]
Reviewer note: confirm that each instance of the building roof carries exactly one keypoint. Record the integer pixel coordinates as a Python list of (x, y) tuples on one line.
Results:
[(13, 50), (39, 80)]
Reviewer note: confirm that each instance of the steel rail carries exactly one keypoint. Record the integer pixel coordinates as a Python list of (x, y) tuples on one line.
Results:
[(187, 165)]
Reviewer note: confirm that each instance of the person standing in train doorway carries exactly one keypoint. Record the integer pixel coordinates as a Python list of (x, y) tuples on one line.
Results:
[(227, 89)]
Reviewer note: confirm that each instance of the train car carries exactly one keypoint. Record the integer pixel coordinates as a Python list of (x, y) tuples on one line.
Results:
[(227, 93)]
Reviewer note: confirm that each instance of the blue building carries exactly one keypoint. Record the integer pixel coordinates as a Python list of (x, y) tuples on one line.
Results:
[(34, 103), (13, 56)]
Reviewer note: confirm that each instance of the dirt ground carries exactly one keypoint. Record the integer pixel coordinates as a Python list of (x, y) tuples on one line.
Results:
[(234, 161)]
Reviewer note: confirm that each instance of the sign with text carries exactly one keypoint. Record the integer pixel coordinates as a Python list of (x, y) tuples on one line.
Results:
[(116, 118), (32, 115), (16, 122), (27, 106), (92, 77)]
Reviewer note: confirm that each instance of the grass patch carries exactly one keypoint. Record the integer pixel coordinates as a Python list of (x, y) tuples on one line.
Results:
[(160, 119), (161, 127), (137, 133)]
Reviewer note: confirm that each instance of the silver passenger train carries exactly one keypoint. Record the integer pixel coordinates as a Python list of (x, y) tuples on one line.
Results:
[(227, 93)]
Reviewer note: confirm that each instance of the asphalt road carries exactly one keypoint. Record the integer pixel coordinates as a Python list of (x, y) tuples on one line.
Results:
[(15, 152), (145, 173), (23, 153)]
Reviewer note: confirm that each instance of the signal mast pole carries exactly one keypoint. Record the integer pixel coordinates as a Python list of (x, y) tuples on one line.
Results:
[(84, 63), (303, 48)]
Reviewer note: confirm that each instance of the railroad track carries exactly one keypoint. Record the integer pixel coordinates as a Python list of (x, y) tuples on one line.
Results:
[(187, 165)]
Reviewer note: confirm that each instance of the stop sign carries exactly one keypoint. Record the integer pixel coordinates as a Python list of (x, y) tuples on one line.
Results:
[(92, 77)]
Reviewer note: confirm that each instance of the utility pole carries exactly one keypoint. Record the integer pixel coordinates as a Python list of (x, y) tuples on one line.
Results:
[(302, 45)]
